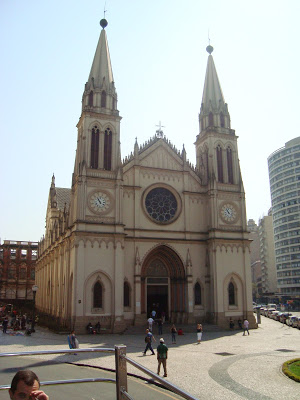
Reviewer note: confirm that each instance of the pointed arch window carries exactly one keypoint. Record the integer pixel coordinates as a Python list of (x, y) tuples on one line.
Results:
[(222, 120), (91, 99), (229, 165), (107, 149), (197, 294), (126, 294), (103, 99), (210, 119), (95, 147), (220, 163), (231, 294), (98, 295)]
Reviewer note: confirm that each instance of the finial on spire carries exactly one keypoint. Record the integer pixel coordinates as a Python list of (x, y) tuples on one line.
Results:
[(209, 48), (103, 21)]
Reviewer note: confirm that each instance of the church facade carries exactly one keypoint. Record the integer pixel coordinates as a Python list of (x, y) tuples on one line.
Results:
[(149, 232)]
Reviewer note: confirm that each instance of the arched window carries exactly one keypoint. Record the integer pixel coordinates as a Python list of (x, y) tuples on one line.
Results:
[(231, 294), (95, 147), (97, 295), (103, 99), (197, 294), (222, 120), (229, 165), (210, 119), (91, 98), (126, 294), (220, 163), (107, 149)]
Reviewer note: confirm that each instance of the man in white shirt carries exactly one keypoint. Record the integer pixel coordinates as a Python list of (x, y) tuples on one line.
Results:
[(150, 323), (246, 327)]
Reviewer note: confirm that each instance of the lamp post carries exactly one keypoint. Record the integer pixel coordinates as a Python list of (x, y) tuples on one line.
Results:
[(34, 290)]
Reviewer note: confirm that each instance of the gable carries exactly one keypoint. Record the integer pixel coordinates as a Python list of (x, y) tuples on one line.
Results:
[(161, 156)]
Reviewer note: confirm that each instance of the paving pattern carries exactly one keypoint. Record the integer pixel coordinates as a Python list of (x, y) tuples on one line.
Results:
[(226, 365)]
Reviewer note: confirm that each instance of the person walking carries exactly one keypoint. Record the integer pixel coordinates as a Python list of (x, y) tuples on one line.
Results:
[(246, 327), (5, 324), (148, 340), (231, 324), (199, 333), (160, 325), (173, 333), (150, 323), (162, 355)]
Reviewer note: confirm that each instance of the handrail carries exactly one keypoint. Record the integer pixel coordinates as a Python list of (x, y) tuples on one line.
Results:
[(121, 360)]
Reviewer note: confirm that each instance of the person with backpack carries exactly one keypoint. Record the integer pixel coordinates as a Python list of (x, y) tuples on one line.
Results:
[(148, 341)]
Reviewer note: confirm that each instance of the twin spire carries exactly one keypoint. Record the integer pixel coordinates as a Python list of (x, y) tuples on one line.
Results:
[(100, 94)]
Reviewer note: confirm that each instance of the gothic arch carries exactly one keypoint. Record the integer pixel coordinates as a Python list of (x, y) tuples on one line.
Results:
[(233, 286), (170, 270), (107, 293)]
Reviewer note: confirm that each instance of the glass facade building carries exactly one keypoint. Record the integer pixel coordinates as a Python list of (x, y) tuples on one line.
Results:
[(284, 175)]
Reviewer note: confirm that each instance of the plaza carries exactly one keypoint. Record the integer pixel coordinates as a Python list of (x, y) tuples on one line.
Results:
[(226, 365)]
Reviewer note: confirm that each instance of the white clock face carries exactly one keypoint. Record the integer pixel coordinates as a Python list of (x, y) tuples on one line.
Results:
[(99, 202), (228, 213)]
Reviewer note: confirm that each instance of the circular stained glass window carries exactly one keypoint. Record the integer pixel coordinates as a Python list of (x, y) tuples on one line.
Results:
[(161, 205)]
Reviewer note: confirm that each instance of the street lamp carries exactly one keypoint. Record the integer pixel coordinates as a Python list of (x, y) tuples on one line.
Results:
[(34, 290)]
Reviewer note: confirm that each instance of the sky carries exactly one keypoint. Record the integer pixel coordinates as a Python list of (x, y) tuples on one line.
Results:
[(159, 60)]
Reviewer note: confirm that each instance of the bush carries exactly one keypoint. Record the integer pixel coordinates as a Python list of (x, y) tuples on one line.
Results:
[(291, 369)]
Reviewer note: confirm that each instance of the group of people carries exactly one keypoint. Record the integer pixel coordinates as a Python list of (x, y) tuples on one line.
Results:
[(244, 326), (93, 330), (16, 322)]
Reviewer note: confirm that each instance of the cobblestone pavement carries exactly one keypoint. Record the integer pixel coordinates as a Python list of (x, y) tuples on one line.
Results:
[(226, 365)]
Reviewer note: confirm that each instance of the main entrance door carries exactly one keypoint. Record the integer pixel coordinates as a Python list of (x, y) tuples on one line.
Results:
[(163, 283), (157, 296)]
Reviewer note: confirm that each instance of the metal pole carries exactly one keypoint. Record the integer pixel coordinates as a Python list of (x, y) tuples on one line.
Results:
[(121, 371), (33, 316)]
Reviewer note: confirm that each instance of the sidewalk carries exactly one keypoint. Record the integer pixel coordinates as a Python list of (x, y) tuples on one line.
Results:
[(226, 365)]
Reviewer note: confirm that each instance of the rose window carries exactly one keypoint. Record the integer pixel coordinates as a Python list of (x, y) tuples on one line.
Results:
[(161, 205)]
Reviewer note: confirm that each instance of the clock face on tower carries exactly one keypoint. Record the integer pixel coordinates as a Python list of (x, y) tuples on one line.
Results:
[(228, 212), (99, 202)]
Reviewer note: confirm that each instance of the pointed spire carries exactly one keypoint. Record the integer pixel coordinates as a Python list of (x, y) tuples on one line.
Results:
[(214, 111), (100, 89), (101, 67)]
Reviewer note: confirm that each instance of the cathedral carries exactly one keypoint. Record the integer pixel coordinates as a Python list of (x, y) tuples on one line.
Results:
[(150, 232)]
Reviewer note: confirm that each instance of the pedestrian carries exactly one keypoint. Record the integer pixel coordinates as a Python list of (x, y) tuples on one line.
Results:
[(240, 323), (5, 324), (148, 341), (150, 323), (231, 324), (153, 314), (162, 355), (73, 341), (199, 333), (26, 385), (98, 327), (246, 327), (173, 333), (163, 316), (160, 325)]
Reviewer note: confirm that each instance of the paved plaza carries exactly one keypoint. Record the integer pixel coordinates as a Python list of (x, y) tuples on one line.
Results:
[(226, 365)]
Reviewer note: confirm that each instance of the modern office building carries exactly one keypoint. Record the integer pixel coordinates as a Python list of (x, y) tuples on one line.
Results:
[(284, 175)]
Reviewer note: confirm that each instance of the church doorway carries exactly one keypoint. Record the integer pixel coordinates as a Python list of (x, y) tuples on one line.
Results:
[(163, 284), (157, 297)]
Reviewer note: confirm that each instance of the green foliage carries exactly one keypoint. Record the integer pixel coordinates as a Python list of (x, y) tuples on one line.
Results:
[(291, 369)]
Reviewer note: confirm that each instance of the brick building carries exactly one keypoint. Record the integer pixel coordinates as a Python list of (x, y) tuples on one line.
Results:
[(17, 271)]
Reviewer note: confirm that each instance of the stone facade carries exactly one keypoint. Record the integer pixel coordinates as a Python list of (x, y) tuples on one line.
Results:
[(151, 231)]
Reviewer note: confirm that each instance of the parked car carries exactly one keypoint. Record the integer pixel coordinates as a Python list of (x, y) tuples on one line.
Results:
[(273, 314), (278, 316), (272, 306), (269, 311), (295, 322), (284, 316), (290, 320)]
